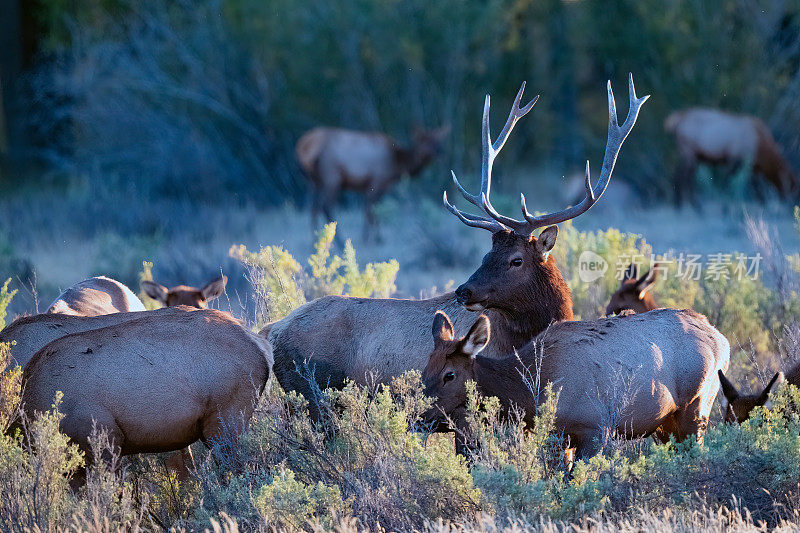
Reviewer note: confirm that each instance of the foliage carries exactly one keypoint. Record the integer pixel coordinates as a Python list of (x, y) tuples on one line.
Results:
[(282, 283), (287, 502), (5, 299), (146, 274)]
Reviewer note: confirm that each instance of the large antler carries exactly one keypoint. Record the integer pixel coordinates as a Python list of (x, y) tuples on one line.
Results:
[(498, 222)]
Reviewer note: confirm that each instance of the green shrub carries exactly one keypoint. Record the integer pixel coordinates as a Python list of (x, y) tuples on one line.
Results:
[(287, 502), (5, 299), (281, 284), (146, 274)]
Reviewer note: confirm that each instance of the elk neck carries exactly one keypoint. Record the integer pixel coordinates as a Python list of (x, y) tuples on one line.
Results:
[(546, 300), (412, 159), (503, 378)]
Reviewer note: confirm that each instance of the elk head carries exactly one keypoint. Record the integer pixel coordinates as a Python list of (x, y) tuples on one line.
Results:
[(633, 292), (519, 271), (737, 406), (185, 295), (451, 364)]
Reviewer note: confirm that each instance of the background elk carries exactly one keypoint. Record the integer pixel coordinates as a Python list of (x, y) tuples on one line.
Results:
[(96, 296), (719, 138), (518, 286), (665, 362), (335, 159), (156, 384), (633, 293), (184, 294), (738, 407)]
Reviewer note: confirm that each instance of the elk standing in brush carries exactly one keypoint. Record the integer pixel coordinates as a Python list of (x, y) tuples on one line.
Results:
[(643, 374), (155, 384), (718, 138), (371, 163), (518, 286), (738, 406), (633, 293)]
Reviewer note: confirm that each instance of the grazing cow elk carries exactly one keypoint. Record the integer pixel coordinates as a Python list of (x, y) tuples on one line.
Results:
[(336, 159), (185, 295), (518, 286), (96, 296), (29, 334), (657, 369), (738, 407), (633, 293), (716, 137), (155, 384)]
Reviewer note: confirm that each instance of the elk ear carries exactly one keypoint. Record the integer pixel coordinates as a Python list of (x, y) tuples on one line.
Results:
[(728, 389), (442, 327), (647, 281), (477, 338), (631, 272), (215, 289), (777, 378), (155, 291), (546, 240)]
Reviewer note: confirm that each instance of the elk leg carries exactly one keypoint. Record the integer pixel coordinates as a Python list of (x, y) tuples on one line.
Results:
[(370, 223), (177, 462), (79, 427), (684, 181)]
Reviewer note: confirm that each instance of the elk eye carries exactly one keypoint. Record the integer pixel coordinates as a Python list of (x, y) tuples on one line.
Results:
[(517, 261), (449, 376)]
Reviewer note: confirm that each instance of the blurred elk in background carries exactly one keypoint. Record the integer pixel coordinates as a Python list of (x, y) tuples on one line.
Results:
[(718, 138), (370, 163), (633, 293)]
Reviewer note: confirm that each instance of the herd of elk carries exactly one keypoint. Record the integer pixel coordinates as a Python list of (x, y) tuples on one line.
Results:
[(334, 160), (665, 360), (737, 407), (633, 294), (518, 286), (160, 380), (719, 138)]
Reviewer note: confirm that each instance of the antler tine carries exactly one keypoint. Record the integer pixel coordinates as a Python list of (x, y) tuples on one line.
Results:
[(489, 151), (474, 221), (616, 136)]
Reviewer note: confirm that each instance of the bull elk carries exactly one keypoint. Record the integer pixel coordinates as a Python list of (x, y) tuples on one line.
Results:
[(719, 138), (155, 384), (334, 160), (737, 407), (518, 286), (184, 294), (634, 292), (96, 296), (664, 360)]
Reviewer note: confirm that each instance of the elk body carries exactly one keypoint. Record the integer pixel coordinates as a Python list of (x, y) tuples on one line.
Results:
[(719, 138), (518, 286), (637, 375), (96, 296), (334, 160), (184, 294), (738, 406), (29, 334), (156, 383), (633, 293)]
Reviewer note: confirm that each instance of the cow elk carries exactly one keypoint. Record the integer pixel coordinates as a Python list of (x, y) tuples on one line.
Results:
[(334, 160), (96, 296), (633, 294), (518, 286), (655, 372), (185, 295), (737, 407), (718, 138), (155, 384)]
